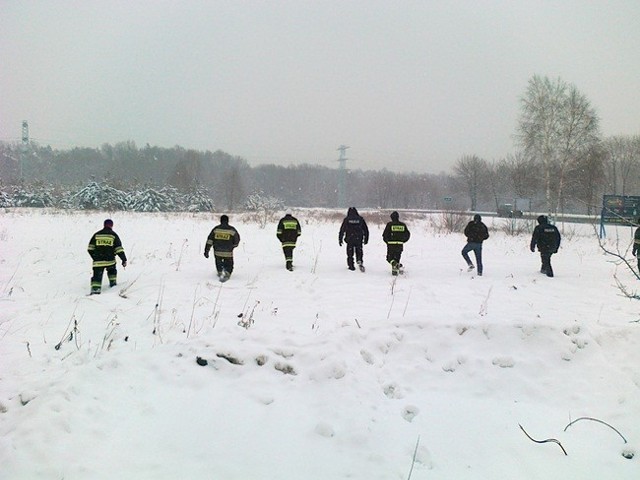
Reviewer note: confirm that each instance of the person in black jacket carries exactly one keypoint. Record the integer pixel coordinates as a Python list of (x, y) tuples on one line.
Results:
[(103, 247), (223, 238), (395, 235), (476, 233), (354, 232), (636, 244), (288, 232), (547, 238)]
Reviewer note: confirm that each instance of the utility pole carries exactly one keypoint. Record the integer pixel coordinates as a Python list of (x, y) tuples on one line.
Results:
[(342, 176), (25, 147)]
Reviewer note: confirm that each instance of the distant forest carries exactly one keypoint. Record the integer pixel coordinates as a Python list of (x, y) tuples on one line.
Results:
[(562, 165), (229, 181)]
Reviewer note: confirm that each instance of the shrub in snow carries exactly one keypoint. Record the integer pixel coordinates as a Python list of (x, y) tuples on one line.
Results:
[(41, 199), (264, 207), (98, 197), (198, 201), (5, 200), (151, 200)]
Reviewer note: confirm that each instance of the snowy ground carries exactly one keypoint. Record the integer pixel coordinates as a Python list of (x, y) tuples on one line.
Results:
[(334, 375)]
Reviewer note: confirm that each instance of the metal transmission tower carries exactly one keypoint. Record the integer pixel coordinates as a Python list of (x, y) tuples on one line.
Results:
[(342, 176), (25, 146)]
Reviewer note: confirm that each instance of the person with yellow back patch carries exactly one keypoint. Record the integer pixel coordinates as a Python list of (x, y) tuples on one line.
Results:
[(103, 248), (395, 234), (223, 239), (288, 232)]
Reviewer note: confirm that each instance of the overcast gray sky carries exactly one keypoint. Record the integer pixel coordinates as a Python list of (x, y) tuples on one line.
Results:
[(408, 85)]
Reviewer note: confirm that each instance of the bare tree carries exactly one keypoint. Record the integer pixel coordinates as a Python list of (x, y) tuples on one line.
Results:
[(471, 171), (557, 125), (622, 162), (523, 173), (588, 179), (499, 181)]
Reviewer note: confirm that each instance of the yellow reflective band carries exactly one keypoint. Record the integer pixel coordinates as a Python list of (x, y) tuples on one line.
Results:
[(397, 228), (119, 250), (105, 240), (223, 254), (288, 244), (223, 234), (104, 263), (395, 243), (290, 225)]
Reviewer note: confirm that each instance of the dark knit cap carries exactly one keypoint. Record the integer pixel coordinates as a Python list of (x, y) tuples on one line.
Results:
[(108, 223), (224, 219), (395, 216)]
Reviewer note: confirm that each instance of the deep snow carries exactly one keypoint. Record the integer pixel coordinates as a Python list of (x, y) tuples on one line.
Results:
[(334, 375)]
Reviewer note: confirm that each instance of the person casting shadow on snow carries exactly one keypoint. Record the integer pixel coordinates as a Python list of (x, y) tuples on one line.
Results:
[(395, 235), (354, 232), (547, 238), (223, 238), (103, 247), (476, 233)]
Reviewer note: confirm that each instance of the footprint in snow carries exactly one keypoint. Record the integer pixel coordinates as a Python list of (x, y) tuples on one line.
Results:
[(504, 362)]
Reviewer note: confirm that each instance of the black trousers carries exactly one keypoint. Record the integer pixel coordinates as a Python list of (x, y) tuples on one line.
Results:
[(288, 253), (96, 279), (545, 257), (224, 264), (394, 252), (351, 249)]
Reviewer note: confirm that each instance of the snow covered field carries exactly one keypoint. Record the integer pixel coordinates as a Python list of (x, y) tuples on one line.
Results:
[(321, 373)]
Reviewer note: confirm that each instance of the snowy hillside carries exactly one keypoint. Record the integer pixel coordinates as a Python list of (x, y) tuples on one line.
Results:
[(316, 374)]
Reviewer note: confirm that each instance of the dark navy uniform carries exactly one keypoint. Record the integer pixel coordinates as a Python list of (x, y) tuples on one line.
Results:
[(354, 232), (547, 238), (636, 245)]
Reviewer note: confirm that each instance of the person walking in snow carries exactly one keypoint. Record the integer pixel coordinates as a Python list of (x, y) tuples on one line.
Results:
[(547, 238), (476, 233), (223, 238), (354, 232), (288, 232), (103, 247), (636, 244), (395, 235)]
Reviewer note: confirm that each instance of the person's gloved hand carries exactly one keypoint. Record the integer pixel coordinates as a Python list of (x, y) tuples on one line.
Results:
[(533, 249), (124, 264), (340, 242), (206, 254)]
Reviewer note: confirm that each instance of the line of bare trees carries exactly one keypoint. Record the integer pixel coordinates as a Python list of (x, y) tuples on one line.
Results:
[(563, 163)]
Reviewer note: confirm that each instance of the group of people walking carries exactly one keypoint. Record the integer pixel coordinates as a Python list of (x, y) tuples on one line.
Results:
[(545, 237), (105, 245)]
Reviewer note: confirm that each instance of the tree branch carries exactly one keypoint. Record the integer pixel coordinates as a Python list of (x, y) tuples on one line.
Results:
[(542, 441)]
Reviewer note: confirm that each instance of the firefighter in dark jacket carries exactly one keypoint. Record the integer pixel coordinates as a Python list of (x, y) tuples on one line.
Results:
[(288, 232), (476, 233), (395, 235), (103, 248), (636, 244), (354, 232), (223, 238), (547, 239)]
